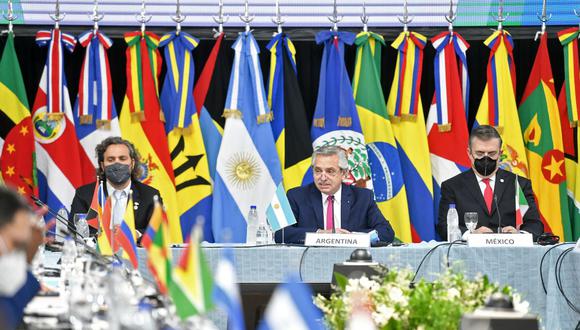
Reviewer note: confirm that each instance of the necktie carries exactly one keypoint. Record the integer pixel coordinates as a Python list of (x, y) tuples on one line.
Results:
[(330, 212), (487, 194), (119, 209)]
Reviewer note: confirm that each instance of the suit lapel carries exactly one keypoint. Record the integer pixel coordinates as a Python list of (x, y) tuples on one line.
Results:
[(316, 202), (346, 202), (472, 184)]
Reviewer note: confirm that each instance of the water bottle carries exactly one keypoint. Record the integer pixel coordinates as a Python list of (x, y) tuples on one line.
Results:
[(262, 233), (82, 225), (453, 232), (67, 264), (252, 225)]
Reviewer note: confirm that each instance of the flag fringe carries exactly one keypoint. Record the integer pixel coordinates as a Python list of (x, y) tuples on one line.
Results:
[(499, 129), (345, 121), (265, 118), (55, 116), (137, 116), (318, 122), (395, 119), (444, 127), (573, 124), (232, 113), (86, 119), (409, 117), (104, 124)]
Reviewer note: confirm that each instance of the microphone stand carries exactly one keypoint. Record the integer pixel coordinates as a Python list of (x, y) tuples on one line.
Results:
[(498, 214), (92, 251)]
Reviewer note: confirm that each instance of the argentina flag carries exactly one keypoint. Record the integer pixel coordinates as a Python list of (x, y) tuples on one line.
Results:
[(248, 169)]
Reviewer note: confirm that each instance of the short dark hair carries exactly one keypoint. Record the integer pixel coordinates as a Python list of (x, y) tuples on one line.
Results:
[(10, 203), (133, 153), (484, 133)]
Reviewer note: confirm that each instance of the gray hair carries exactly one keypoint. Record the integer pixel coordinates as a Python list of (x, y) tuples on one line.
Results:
[(484, 133), (331, 151)]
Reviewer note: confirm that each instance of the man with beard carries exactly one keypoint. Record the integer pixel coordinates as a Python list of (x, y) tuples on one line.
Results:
[(479, 188), (119, 172)]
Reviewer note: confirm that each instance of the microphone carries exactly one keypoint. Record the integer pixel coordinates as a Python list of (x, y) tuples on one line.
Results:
[(498, 213), (57, 216)]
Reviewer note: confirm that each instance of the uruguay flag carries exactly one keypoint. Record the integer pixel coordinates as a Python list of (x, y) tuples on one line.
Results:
[(61, 164), (227, 292), (292, 304), (248, 169), (96, 116)]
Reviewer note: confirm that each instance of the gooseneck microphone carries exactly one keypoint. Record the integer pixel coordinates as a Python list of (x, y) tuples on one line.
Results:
[(498, 213), (57, 216)]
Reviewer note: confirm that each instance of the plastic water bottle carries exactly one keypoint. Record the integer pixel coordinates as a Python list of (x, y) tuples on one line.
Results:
[(262, 233), (82, 226), (252, 225), (67, 264), (453, 232)]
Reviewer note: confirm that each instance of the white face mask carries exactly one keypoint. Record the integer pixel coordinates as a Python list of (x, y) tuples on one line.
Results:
[(12, 270)]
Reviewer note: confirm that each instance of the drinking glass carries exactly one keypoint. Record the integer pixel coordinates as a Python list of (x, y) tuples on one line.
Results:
[(470, 219)]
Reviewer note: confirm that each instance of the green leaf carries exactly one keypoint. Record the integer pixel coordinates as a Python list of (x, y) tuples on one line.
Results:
[(341, 281)]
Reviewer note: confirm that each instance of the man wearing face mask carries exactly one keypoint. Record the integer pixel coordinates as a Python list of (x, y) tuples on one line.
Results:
[(119, 172), (479, 188), (19, 240)]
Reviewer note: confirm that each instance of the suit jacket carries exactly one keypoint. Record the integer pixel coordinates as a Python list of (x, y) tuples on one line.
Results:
[(359, 212), (12, 308), (463, 190), (142, 200)]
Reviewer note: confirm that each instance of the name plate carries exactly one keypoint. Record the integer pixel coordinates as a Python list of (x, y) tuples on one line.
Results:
[(500, 240), (362, 240)]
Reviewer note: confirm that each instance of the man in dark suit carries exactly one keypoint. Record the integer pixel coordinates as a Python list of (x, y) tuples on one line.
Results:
[(328, 205), (120, 170), (20, 236), (479, 188)]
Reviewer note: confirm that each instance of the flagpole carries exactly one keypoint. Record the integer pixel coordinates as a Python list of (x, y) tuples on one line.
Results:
[(220, 20), (247, 18), (405, 20), (95, 16), (10, 17), (178, 18), (335, 19), (142, 17), (57, 16), (450, 18), (278, 19), (364, 18), (544, 18)]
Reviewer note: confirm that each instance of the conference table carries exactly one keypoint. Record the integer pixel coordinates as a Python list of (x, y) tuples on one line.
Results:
[(518, 267)]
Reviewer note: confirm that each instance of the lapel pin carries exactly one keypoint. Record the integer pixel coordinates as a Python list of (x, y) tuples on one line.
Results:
[(501, 180)]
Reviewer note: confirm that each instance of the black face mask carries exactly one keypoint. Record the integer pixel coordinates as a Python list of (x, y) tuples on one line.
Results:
[(485, 165), (118, 173)]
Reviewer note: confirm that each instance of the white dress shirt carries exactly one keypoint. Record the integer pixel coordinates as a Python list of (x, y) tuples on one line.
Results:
[(482, 184), (123, 200), (336, 208)]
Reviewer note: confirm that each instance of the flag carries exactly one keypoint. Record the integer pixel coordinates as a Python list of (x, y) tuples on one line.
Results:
[(156, 242), (521, 204), (290, 124), (191, 289), (498, 104), (188, 155), (104, 238), (125, 236), (279, 213), (406, 112), (447, 119), (62, 165), (387, 176), (95, 211), (568, 103), (16, 137), (292, 303), (336, 120), (540, 124), (95, 113), (226, 292), (141, 122), (248, 170), (209, 110)]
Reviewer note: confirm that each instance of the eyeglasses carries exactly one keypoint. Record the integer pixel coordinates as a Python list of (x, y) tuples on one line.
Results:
[(490, 154), (330, 172)]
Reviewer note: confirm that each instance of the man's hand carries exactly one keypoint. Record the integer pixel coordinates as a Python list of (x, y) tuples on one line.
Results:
[(483, 230), (509, 229), (329, 231)]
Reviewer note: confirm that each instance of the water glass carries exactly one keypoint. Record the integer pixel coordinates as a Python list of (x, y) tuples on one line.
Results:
[(470, 219)]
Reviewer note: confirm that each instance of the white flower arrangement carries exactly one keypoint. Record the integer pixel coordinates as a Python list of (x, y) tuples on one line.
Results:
[(392, 302)]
